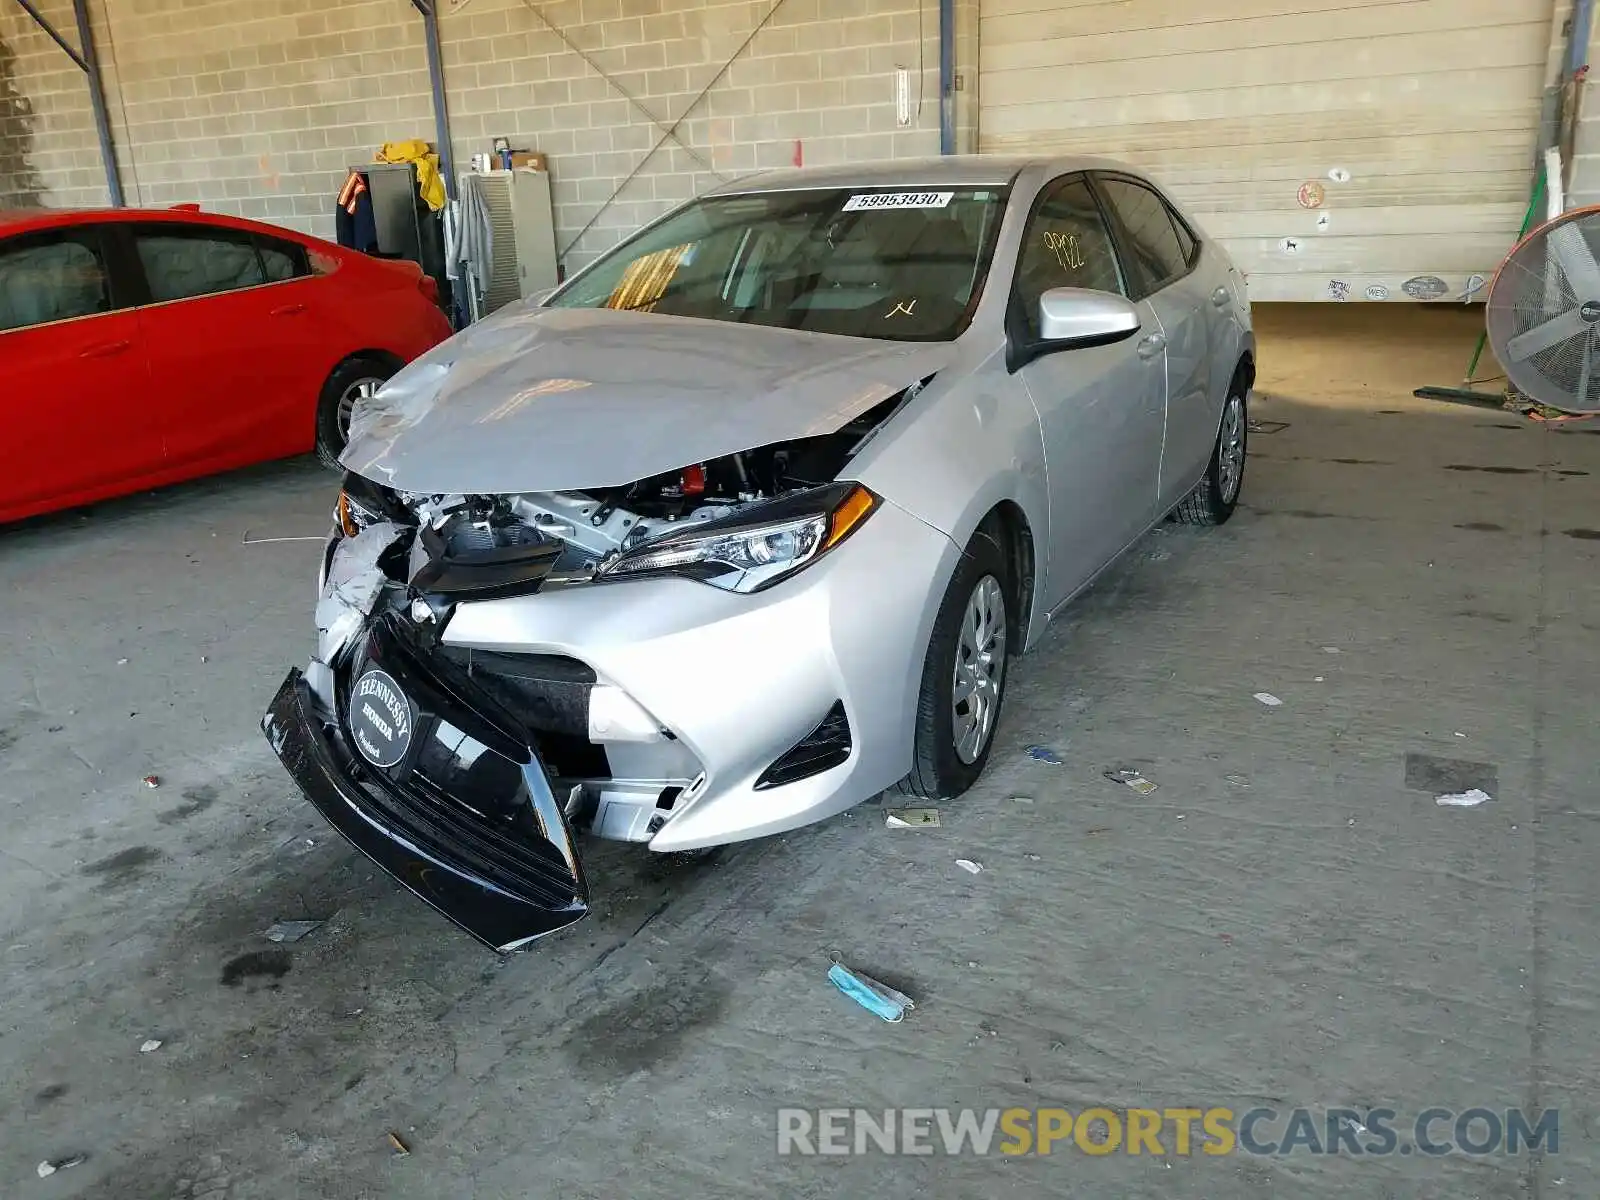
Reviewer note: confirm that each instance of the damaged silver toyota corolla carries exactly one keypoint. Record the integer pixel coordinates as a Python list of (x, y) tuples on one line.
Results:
[(743, 524)]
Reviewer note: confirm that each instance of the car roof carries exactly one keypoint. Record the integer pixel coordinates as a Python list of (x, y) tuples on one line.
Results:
[(951, 170), (22, 220)]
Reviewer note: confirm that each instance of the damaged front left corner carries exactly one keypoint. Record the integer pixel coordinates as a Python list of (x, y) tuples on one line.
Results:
[(352, 587)]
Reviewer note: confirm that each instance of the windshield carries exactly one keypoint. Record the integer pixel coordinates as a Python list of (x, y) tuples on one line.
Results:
[(903, 266)]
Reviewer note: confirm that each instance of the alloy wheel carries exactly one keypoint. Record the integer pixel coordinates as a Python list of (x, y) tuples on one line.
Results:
[(361, 389), (980, 669), (1230, 451)]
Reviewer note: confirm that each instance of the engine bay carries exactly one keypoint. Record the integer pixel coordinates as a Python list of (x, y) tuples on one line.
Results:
[(480, 546)]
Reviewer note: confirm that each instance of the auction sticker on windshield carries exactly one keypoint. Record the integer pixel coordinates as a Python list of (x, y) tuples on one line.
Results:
[(899, 200)]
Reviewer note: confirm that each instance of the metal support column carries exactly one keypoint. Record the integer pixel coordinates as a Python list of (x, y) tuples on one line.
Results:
[(97, 98), (1578, 42), (947, 76), (441, 112), (88, 62)]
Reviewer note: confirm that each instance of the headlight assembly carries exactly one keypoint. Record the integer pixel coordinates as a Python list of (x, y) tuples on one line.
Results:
[(757, 547), (363, 503)]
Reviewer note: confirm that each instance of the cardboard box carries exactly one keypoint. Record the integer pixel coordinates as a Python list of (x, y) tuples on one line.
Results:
[(531, 159)]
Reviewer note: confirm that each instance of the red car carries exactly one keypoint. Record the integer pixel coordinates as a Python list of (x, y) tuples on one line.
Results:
[(139, 348)]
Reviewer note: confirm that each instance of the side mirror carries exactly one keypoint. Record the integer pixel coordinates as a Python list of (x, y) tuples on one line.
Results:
[(1079, 317)]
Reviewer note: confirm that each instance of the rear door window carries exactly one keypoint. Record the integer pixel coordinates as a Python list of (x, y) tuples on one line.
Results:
[(49, 277), (283, 260), (1186, 240), (181, 263), (1158, 254)]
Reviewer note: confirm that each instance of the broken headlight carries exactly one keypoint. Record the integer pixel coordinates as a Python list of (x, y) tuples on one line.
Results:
[(363, 503), (759, 546)]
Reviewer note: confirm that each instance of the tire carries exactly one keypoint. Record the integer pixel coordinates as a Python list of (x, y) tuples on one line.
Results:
[(343, 387), (1214, 498), (943, 769)]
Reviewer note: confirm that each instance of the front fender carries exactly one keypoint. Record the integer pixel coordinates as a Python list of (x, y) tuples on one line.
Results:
[(971, 441)]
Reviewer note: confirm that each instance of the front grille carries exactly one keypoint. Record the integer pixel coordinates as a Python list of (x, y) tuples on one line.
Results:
[(824, 748), (526, 865), (472, 813)]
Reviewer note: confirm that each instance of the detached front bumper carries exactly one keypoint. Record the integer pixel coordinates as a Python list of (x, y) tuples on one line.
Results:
[(661, 710), (465, 820)]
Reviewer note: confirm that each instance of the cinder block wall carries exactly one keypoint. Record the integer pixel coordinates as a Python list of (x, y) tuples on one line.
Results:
[(259, 108), (48, 151)]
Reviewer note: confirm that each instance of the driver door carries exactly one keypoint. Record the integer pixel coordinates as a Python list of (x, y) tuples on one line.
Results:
[(1102, 409)]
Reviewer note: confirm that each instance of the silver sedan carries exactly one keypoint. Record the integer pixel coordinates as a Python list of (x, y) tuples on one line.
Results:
[(744, 523)]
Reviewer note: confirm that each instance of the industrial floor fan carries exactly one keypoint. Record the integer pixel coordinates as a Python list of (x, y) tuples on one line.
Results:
[(1543, 315)]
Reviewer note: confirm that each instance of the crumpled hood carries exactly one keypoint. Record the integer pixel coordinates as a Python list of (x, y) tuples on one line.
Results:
[(546, 399)]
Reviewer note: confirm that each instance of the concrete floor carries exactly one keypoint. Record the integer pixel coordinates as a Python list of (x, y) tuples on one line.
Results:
[(1284, 922)]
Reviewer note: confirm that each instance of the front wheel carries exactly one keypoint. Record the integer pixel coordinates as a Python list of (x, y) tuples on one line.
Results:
[(1213, 500), (353, 382), (963, 676)]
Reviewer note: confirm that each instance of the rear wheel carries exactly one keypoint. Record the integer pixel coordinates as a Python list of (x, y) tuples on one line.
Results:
[(355, 380), (964, 675), (1214, 497)]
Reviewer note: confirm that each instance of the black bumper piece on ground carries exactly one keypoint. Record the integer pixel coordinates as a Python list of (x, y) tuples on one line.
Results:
[(467, 828)]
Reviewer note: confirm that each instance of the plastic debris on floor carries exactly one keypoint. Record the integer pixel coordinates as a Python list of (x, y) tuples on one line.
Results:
[(150, 1046), (1268, 699), (869, 993), (912, 818), (1131, 778), (291, 931), (48, 1168), (1468, 799), (1044, 754), (967, 865)]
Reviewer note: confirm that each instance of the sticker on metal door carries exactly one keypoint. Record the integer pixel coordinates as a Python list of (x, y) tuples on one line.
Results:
[(380, 719)]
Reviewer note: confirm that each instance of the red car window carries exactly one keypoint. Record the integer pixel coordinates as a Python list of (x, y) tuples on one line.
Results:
[(183, 263), (283, 260), (51, 277)]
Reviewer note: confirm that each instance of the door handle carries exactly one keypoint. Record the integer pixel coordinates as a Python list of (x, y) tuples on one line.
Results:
[(1221, 296), (289, 310), (105, 350), (1152, 345)]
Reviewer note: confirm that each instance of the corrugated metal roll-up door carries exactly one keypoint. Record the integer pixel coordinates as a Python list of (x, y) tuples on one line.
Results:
[(1360, 149)]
